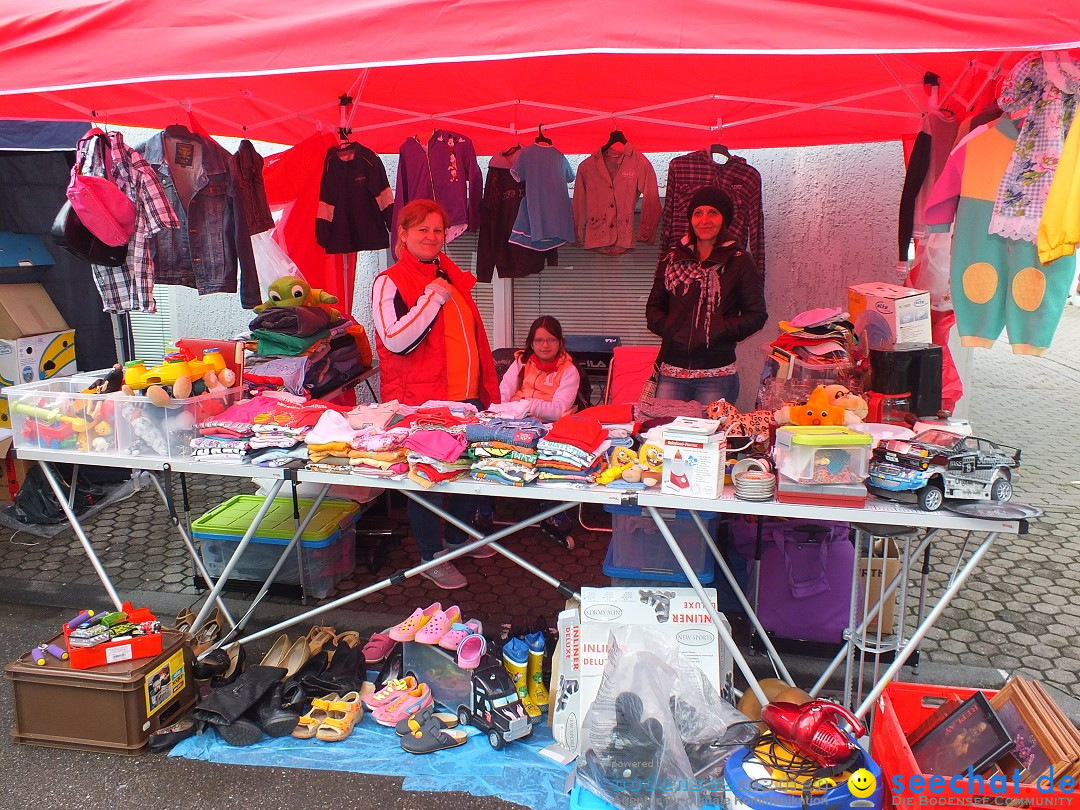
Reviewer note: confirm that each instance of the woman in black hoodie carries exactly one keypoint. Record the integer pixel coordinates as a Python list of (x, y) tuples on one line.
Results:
[(706, 297)]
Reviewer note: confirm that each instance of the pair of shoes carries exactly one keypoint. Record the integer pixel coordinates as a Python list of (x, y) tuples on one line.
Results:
[(221, 666), (291, 655), (272, 715), (407, 630), (424, 733), (319, 636), (378, 647), (516, 659), (345, 671), (458, 632), (425, 716), (405, 704), (209, 633), (445, 575), (438, 626), (390, 692), (331, 719), (236, 710), (165, 738), (184, 620)]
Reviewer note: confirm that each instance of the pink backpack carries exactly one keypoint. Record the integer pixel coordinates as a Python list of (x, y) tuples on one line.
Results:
[(101, 206)]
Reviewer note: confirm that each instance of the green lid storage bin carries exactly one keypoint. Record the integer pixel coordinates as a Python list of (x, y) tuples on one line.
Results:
[(328, 543)]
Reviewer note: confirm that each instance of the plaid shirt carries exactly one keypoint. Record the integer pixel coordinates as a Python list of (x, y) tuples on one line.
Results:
[(741, 182), (131, 285)]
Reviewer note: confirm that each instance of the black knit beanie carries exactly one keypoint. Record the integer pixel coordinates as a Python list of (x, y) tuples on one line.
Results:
[(711, 195)]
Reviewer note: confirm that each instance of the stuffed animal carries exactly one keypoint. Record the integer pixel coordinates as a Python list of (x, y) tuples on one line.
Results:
[(817, 410), (755, 426), (856, 407), (293, 291)]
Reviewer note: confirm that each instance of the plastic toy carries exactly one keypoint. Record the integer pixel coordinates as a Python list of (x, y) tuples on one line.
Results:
[(293, 291), (494, 706), (178, 365), (53, 435), (56, 651), (937, 464), (819, 409)]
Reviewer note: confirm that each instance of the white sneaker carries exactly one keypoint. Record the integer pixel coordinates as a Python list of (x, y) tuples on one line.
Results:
[(446, 576)]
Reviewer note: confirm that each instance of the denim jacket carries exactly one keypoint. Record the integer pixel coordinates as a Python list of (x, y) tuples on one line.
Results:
[(213, 235)]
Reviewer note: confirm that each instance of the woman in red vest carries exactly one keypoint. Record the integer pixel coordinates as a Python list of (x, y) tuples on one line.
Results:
[(432, 345)]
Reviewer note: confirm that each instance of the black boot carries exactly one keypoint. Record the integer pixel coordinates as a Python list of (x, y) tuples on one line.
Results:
[(344, 674), (272, 717), (228, 704), (295, 695)]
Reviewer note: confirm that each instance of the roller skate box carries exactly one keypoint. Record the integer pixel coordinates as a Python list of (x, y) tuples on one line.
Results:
[(110, 709)]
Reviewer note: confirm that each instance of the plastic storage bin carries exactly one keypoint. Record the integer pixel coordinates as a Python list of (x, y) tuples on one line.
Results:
[(636, 542), (54, 414), (111, 709), (328, 543), (785, 383), (635, 577), (900, 710), (822, 454)]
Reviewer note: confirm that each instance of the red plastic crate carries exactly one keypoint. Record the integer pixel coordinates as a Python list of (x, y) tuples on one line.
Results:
[(900, 709), (114, 651)]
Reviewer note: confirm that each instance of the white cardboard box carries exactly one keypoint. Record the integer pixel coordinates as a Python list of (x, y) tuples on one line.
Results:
[(32, 358), (889, 314), (566, 688), (695, 451), (675, 612)]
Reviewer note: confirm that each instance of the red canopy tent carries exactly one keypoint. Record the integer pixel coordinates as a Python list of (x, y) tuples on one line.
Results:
[(670, 73)]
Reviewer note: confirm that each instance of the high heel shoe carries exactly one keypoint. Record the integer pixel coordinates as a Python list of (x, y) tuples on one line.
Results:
[(184, 619), (296, 657), (277, 653), (209, 633), (319, 636)]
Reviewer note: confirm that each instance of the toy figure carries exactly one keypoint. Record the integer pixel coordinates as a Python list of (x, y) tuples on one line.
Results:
[(818, 410), (293, 291)]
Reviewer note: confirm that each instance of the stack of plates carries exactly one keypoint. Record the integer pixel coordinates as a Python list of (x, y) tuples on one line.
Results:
[(754, 485)]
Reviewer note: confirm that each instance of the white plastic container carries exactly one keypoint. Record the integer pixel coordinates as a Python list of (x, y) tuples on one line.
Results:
[(822, 454)]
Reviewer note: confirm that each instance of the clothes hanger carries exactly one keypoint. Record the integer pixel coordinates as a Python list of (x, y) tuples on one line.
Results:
[(541, 137), (615, 137), (720, 149)]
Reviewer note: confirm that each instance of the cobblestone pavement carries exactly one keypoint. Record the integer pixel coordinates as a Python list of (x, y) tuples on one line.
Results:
[(1020, 611)]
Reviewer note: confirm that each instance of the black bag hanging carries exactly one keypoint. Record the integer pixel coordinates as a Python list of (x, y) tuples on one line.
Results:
[(69, 233)]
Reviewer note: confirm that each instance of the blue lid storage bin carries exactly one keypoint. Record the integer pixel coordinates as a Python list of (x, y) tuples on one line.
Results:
[(635, 577), (636, 542), (328, 544)]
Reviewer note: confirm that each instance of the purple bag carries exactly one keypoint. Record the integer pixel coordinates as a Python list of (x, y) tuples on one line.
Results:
[(101, 206), (804, 585)]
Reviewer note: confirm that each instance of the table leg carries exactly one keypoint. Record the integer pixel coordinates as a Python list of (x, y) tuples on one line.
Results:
[(73, 519), (706, 603)]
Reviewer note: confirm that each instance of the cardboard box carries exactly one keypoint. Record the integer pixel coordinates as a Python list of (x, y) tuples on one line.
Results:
[(26, 309), (695, 451), (889, 314), (35, 341), (564, 710), (676, 612), (32, 358), (891, 567)]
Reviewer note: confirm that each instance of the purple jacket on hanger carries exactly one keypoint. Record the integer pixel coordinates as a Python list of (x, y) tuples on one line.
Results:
[(446, 172)]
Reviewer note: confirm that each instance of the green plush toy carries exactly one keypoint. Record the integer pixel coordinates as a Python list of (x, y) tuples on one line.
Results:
[(293, 291)]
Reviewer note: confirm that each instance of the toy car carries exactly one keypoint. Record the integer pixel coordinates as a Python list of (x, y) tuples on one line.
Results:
[(937, 464), (494, 706)]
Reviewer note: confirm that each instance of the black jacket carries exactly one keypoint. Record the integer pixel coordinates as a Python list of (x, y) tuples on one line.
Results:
[(695, 335)]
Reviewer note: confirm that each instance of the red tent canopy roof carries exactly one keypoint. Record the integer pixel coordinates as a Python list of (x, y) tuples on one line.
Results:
[(670, 74)]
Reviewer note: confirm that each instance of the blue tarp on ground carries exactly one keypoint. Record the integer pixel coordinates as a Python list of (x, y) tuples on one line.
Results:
[(518, 773)]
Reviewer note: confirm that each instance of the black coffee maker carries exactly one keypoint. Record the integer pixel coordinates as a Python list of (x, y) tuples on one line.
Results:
[(911, 370)]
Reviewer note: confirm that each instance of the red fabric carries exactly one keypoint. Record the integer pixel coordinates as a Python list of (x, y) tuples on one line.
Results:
[(952, 387), (268, 69), (580, 431), (292, 181), (610, 414), (415, 378)]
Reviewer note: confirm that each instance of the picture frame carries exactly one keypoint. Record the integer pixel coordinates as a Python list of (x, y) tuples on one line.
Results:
[(1028, 750), (971, 737)]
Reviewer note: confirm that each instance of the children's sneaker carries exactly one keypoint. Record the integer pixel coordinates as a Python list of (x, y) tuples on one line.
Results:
[(446, 576), (407, 703), (389, 693)]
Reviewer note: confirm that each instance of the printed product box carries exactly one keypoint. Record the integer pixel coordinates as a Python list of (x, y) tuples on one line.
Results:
[(32, 358), (889, 314), (695, 451), (675, 612), (564, 711)]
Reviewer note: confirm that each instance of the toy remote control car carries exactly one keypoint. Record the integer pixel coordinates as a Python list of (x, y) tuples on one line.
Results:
[(937, 464)]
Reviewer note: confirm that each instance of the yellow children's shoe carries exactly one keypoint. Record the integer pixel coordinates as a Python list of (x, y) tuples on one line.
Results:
[(516, 661), (538, 691)]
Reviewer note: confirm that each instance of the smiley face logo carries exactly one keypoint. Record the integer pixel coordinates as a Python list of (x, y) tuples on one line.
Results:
[(862, 783)]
